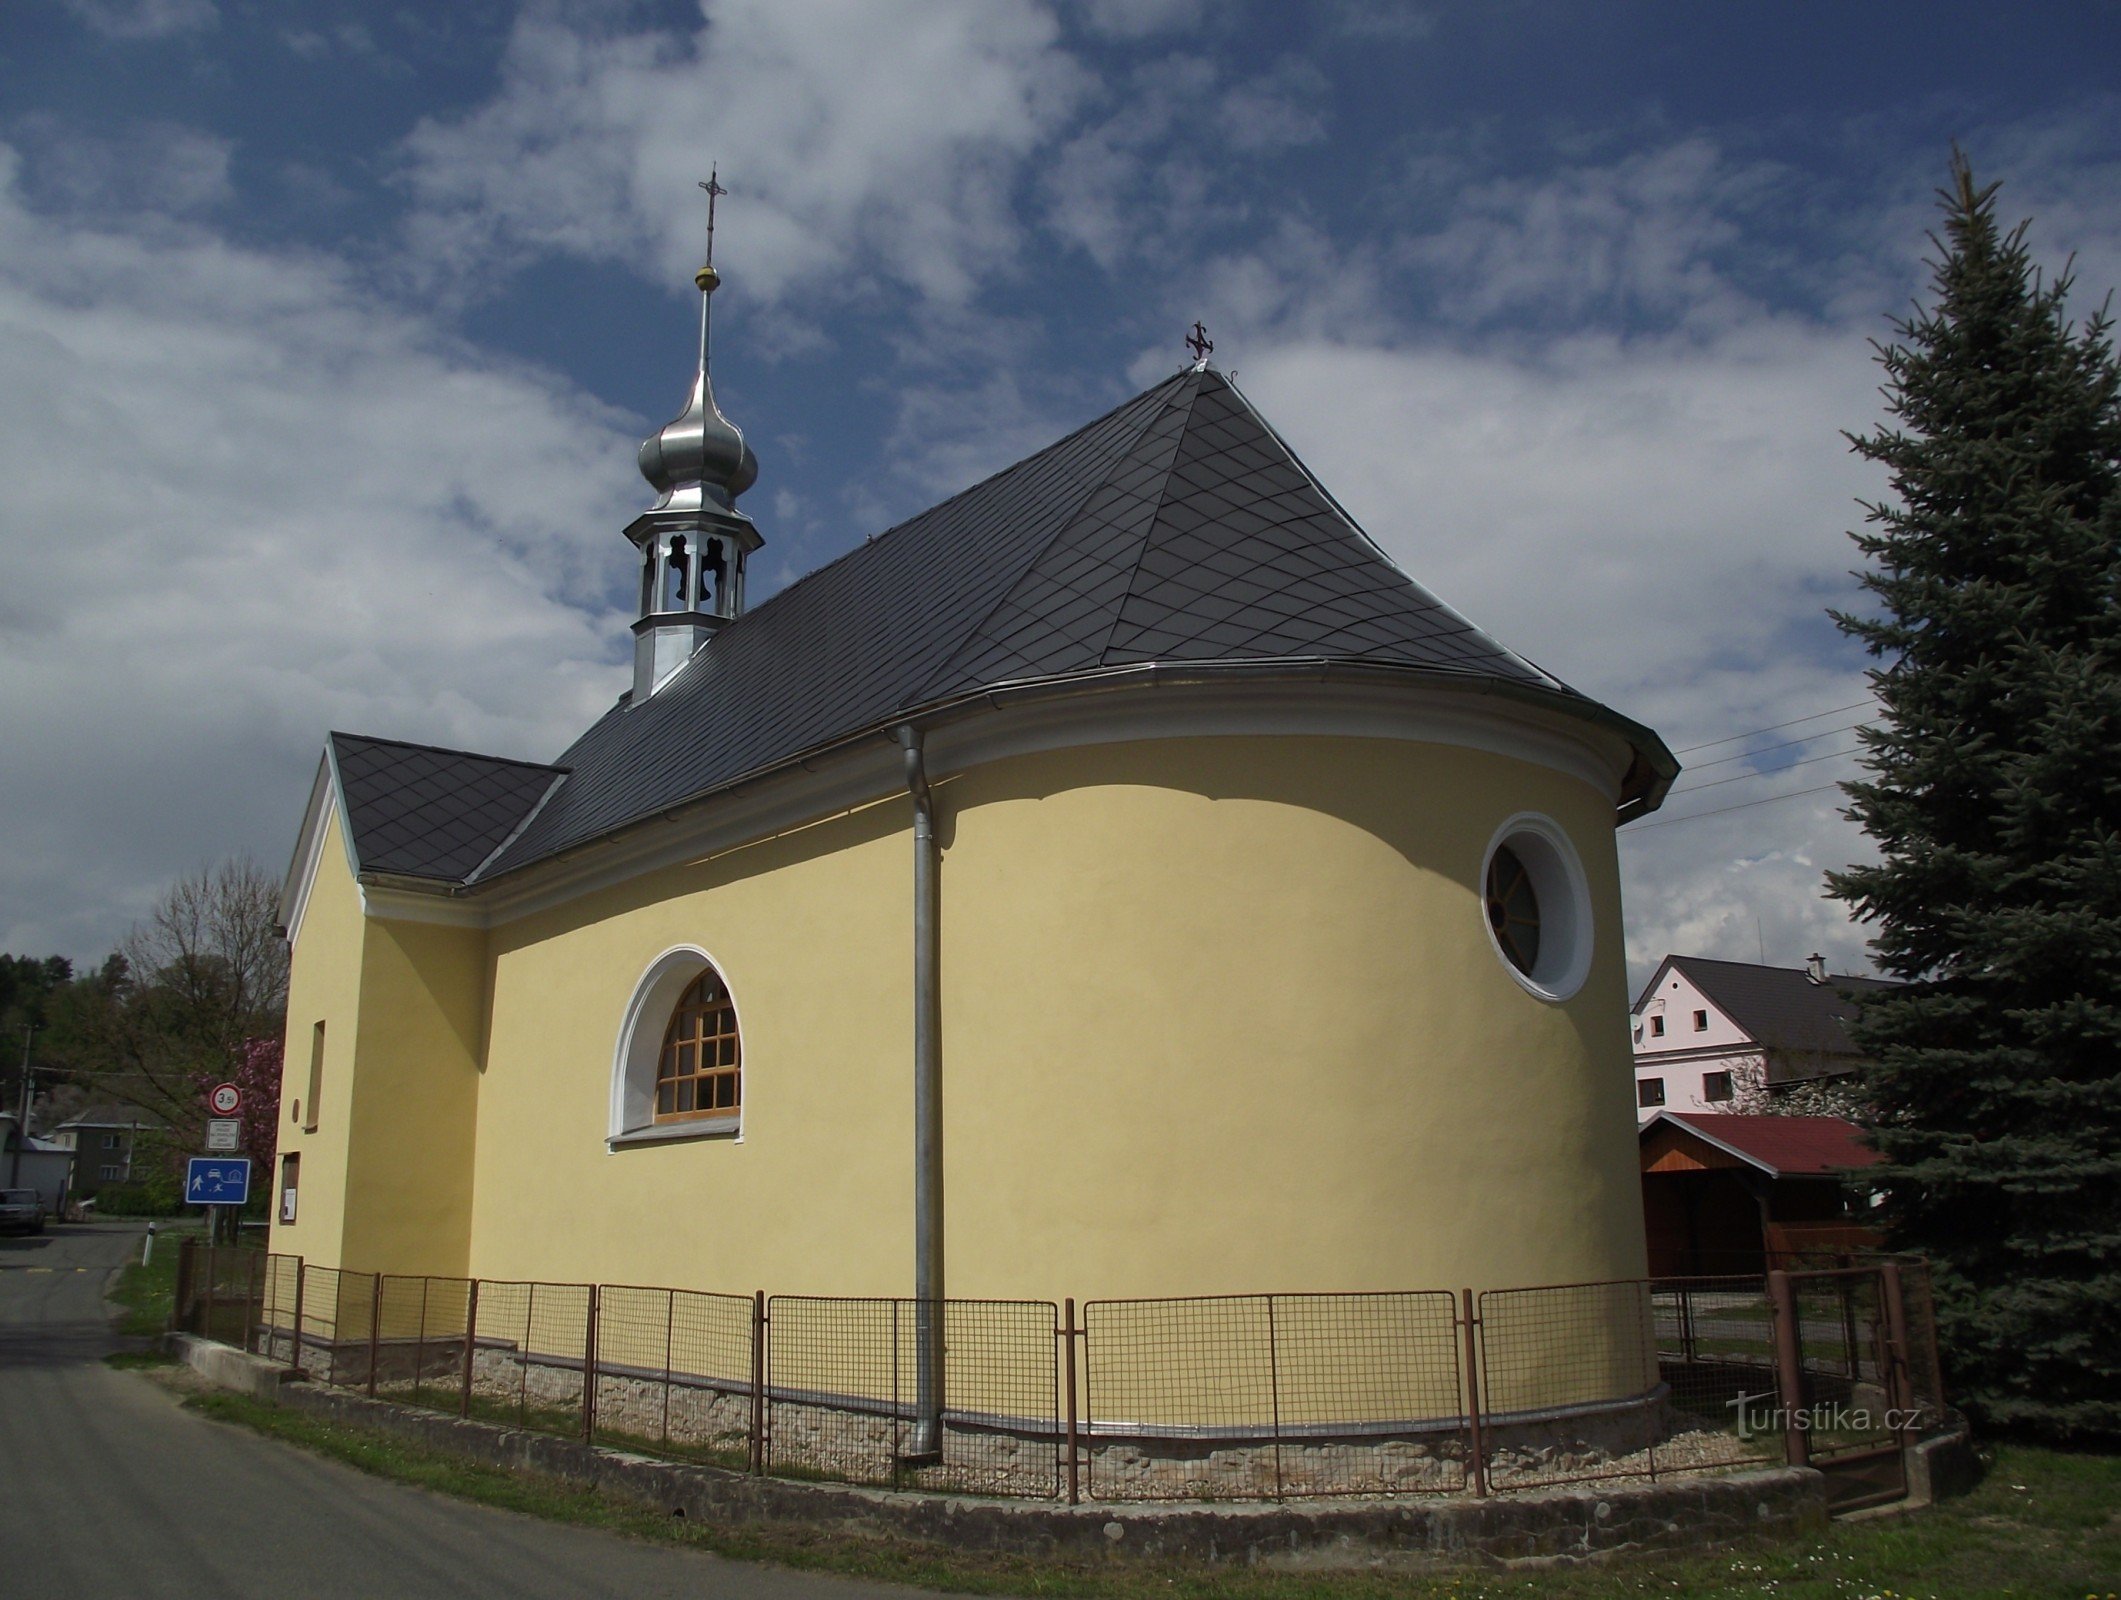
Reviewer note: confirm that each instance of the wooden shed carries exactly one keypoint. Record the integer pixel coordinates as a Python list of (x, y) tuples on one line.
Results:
[(1740, 1194)]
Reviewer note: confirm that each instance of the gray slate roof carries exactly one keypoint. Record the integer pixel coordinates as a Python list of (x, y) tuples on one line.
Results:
[(1176, 528), (1780, 1008), (429, 813)]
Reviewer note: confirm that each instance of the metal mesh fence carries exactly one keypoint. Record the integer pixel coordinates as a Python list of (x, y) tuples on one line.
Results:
[(420, 1348), (529, 1344), (1844, 1359), (1924, 1370), (221, 1291), (1252, 1395), (1568, 1383), (1716, 1358), (674, 1373), (1230, 1397), (845, 1398)]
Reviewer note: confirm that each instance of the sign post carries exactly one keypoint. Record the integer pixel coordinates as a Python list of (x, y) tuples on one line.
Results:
[(205, 1180)]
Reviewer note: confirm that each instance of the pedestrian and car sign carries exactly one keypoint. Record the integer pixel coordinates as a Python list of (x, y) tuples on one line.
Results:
[(217, 1180)]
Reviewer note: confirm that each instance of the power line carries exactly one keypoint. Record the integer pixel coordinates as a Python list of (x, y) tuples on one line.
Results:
[(1782, 744), (1717, 811), (1777, 728), (1741, 777)]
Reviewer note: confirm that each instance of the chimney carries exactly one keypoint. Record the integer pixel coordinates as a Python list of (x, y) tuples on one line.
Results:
[(1815, 968)]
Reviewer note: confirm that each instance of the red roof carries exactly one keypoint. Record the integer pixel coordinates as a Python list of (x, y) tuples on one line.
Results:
[(1785, 1147)]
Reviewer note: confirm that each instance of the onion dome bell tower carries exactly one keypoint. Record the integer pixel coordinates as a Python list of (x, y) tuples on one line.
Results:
[(693, 541)]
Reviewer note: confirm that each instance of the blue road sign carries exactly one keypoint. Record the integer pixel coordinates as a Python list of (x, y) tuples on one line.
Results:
[(217, 1180)]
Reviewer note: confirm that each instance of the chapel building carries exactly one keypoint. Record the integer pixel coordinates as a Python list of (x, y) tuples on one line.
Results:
[(1120, 879)]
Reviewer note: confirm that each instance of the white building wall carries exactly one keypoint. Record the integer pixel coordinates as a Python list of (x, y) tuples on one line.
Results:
[(1681, 1040)]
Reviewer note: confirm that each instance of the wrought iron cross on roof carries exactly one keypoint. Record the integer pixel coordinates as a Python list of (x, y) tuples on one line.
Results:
[(714, 192), (1200, 344)]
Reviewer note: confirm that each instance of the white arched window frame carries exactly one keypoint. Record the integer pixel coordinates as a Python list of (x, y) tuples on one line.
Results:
[(640, 1047), (1557, 878)]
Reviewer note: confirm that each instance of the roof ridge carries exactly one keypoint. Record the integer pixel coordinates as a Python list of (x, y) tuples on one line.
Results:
[(446, 750), (1378, 550), (1062, 528), (1119, 611), (767, 604)]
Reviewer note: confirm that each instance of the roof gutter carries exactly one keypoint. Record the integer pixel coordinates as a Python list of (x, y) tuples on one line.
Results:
[(1649, 774)]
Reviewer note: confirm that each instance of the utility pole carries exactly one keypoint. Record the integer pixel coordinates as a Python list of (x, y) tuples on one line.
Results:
[(29, 1030), (14, 1174)]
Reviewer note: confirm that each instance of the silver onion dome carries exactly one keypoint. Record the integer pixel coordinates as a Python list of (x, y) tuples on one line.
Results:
[(699, 456)]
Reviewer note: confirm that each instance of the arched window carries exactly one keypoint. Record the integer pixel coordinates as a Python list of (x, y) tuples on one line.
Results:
[(677, 1072), (700, 1070)]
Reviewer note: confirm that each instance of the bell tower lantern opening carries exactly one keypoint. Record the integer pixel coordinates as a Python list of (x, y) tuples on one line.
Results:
[(693, 541)]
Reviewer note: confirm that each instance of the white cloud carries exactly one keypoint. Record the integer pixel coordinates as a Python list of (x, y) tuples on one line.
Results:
[(861, 143), (153, 167), (245, 503), (1637, 237), (144, 19)]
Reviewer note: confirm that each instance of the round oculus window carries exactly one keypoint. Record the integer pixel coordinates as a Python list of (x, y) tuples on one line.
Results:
[(1537, 905), (1513, 909)]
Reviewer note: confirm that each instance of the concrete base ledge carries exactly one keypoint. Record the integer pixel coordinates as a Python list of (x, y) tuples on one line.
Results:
[(1426, 1532), (229, 1368)]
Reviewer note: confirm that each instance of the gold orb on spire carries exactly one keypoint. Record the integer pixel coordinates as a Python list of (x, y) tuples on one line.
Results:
[(707, 278)]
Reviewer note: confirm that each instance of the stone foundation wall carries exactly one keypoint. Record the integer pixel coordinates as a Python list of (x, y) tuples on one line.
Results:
[(858, 1442)]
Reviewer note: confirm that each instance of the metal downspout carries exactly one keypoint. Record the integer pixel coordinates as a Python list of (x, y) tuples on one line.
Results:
[(927, 1440)]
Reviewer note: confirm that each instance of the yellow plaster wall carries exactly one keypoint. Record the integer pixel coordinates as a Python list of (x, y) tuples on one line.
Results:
[(323, 985), (811, 931), (1219, 1015), (414, 1118)]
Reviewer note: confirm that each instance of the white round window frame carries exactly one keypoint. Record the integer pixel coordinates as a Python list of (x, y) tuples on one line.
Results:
[(640, 1047), (1564, 895)]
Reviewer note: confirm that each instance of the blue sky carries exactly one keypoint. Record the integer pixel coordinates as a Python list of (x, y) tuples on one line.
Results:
[(328, 331)]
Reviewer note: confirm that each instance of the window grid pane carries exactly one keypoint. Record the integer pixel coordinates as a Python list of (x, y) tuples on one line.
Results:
[(699, 1072)]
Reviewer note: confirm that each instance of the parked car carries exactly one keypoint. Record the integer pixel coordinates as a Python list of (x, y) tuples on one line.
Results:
[(21, 1211)]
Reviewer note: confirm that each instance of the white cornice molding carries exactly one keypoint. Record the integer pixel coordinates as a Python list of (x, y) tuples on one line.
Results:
[(996, 727), (327, 798)]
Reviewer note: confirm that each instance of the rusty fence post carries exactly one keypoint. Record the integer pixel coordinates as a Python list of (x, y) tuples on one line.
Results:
[(294, 1354), (207, 1325), (375, 1330), (253, 1304), (670, 1332), (1274, 1393), (1472, 1360), (471, 1339), (589, 1371), (758, 1381), (180, 1301), (1069, 1335), (1898, 1375), (1789, 1370)]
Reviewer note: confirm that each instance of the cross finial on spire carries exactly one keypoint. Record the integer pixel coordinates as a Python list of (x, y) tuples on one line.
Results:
[(714, 192), (1200, 344)]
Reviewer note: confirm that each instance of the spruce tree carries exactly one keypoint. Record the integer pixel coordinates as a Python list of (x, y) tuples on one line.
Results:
[(1993, 793)]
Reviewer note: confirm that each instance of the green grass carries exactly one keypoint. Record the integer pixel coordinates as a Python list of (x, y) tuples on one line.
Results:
[(149, 1293), (139, 1360), (2043, 1524)]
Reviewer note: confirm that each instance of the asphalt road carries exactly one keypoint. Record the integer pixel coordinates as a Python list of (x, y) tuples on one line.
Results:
[(109, 1488)]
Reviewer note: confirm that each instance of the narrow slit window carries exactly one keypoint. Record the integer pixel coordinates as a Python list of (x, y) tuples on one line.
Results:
[(312, 1099)]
